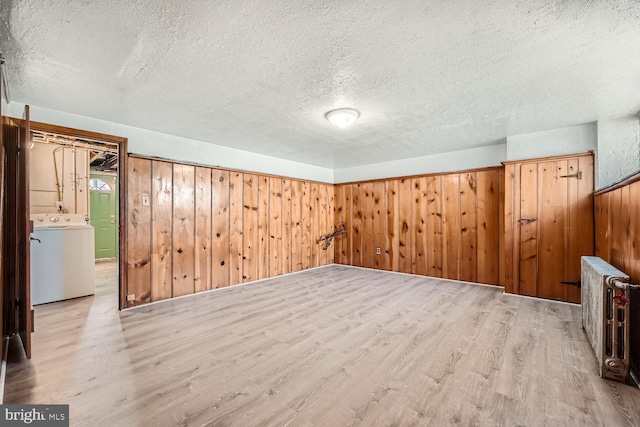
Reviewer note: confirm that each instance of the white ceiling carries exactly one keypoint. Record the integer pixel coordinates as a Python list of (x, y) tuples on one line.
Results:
[(427, 76)]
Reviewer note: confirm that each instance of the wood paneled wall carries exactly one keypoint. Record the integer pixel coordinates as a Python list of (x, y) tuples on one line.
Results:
[(617, 214), (618, 227), (438, 225), (192, 229)]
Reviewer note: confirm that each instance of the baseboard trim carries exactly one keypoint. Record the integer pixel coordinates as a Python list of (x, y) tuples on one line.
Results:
[(634, 378), (3, 368), (253, 282), (424, 277), (544, 299)]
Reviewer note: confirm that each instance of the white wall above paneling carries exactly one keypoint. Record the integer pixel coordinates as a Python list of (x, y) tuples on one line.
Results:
[(618, 150), (616, 142), (446, 162), (156, 144), (555, 142)]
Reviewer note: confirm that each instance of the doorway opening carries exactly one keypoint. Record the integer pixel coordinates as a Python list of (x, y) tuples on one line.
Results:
[(76, 179)]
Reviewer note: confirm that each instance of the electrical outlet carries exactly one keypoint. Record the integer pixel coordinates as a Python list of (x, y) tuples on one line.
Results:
[(145, 200), (377, 251), (131, 297)]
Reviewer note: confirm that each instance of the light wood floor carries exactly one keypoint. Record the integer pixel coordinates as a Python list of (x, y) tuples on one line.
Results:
[(335, 346)]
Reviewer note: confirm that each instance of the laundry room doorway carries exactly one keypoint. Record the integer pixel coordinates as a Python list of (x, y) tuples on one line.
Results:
[(77, 183)]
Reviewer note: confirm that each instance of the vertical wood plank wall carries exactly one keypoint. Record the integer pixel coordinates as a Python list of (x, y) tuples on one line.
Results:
[(206, 228), (139, 246), (617, 216), (438, 225), (192, 229)]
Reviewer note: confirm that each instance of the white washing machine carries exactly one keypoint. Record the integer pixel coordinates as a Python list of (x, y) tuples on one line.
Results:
[(62, 258)]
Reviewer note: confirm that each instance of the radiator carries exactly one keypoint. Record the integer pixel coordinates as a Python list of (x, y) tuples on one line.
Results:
[(605, 315)]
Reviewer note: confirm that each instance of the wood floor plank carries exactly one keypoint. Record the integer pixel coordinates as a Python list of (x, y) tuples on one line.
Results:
[(331, 346)]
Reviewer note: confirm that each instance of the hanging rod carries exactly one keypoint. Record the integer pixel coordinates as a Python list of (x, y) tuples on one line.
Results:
[(73, 142)]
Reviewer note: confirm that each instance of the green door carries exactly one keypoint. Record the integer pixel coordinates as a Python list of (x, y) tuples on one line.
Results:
[(104, 218)]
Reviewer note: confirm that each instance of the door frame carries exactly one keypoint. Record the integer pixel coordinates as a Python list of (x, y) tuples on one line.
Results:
[(122, 143)]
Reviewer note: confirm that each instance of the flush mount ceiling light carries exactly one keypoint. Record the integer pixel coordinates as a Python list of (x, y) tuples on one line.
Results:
[(342, 117)]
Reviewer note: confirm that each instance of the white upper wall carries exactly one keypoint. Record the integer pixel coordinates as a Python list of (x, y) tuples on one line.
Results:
[(155, 144), (618, 150), (443, 162), (555, 142), (616, 142)]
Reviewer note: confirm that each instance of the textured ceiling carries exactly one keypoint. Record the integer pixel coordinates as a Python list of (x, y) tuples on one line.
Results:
[(427, 76)]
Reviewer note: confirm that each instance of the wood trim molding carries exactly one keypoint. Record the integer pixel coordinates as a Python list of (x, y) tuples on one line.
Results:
[(124, 238), (627, 181), (547, 158), (79, 133)]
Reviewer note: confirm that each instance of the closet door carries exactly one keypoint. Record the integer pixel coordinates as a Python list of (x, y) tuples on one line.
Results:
[(550, 212)]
